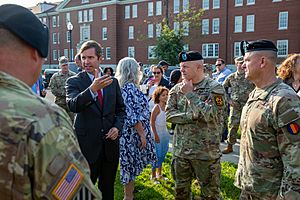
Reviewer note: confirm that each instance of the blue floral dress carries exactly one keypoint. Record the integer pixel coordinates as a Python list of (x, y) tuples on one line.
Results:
[(133, 159)]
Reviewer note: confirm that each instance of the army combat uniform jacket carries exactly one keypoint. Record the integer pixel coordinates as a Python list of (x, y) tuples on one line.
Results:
[(40, 156), (200, 118), (269, 165)]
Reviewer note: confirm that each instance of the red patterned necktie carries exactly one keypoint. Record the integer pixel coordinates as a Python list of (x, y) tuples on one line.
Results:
[(100, 98)]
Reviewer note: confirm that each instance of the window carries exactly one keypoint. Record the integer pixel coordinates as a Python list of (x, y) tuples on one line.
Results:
[(238, 2), (54, 23), (205, 26), (151, 53), (131, 32), (158, 30), (210, 50), (108, 53), (134, 11), (66, 53), (85, 16), (54, 55), (58, 53), (104, 13), (185, 5), (216, 26), (84, 1), (282, 46), (44, 20), (102, 53), (84, 33), (131, 52), (54, 39), (104, 33), (58, 39), (150, 30), (186, 47), (238, 24), (176, 6), (150, 8), (127, 12), (158, 8), (216, 4), (250, 2), (237, 49), (68, 18), (250, 23), (79, 16), (185, 26), (90, 15), (205, 4), (176, 27), (57, 23), (68, 36), (283, 20), (277, 0)]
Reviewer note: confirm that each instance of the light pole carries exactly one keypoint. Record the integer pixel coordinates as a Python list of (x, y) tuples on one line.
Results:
[(70, 28)]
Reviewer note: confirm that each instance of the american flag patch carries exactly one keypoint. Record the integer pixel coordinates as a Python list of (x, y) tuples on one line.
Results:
[(68, 183)]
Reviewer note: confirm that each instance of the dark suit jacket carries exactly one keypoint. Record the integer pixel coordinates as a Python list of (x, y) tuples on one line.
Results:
[(92, 122)]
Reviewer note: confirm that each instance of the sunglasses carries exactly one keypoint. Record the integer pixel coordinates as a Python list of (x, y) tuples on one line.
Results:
[(156, 72), (218, 65)]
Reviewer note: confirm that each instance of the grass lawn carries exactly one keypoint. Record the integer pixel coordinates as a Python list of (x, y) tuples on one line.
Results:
[(147, 190)]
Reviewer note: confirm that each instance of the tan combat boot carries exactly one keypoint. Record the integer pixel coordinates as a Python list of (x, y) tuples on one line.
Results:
[(228, 149)]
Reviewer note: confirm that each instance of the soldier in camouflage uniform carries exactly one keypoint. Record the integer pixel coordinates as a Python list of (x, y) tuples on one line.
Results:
[(237, 88), (58, 82), (269, 165), (39, 151), (195, 106)]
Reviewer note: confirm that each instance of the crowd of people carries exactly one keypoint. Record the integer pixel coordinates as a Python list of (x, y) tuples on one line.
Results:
[(102, 120)]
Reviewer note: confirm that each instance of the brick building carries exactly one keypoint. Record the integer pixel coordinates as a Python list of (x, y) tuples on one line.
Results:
[(130, 27)]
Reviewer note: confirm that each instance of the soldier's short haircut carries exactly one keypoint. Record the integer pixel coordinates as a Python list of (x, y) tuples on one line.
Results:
[(222, 60), (92, 44)]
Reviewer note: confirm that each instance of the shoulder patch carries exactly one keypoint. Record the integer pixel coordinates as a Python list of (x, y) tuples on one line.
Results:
[(219, 100), (293, 128), (68, 184)]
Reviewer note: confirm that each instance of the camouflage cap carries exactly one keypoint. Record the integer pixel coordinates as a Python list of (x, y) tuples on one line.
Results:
[(239, 59), (63, 60)]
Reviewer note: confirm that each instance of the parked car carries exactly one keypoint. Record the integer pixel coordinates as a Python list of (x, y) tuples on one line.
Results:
[(48, 73)]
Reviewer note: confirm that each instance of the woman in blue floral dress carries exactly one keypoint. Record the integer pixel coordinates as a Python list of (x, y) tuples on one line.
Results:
[(137, 148)]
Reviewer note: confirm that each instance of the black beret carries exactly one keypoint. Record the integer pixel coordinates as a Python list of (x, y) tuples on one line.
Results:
[(189, 56), (25, 25), (162, 63), (258, 45)]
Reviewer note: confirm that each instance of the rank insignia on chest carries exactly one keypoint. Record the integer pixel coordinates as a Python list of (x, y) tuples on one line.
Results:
[(219, 100), (68, 183), (293, 128)]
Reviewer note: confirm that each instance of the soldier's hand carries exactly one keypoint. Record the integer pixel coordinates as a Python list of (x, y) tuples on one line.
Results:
[(187, 86)]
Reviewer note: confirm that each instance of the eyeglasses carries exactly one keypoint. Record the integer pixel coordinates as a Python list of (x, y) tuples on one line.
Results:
[(218, 65), (156, 72)]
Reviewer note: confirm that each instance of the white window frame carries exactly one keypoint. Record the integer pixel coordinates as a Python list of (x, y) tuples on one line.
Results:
[(176, 27), (80, 16), (158, 8), (131, 51), (283, 20), (108, 53), (205, 26), (215, 50), (286, 43), (68, 18), (151, 53), (185, 5), (54, 55), (54, 22), (216, 26), (58, 38), (186, 47), (66, 53), (176, 6), (130, 32), (250, 23), (150, 9), (54, 38), (68, 36), (238, 3), (104, 33), (250, 2), (84, 1), (127, 12), (150, 30), (134, 11), (104, 13), (85, 32), (91, 15), (216, 4), (205, 4), (238, 24), (158, 29), (237, 49), (186, 28), (58, 22), (85, 16), (276, 0)]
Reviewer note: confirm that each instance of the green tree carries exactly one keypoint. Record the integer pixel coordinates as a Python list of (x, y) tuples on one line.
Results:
[(170, 43)]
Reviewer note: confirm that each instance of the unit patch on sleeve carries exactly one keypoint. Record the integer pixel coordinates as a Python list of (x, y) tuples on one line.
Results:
[(293, 128), (68, 184), (219, 100)]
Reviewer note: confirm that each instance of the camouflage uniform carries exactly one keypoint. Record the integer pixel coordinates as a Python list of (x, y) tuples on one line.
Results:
[(238, 88), (57, 86), (38, 148), (269, 165), (197, 137)]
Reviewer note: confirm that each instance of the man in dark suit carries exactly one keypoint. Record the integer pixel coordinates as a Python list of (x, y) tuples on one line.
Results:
[(99, 108)]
